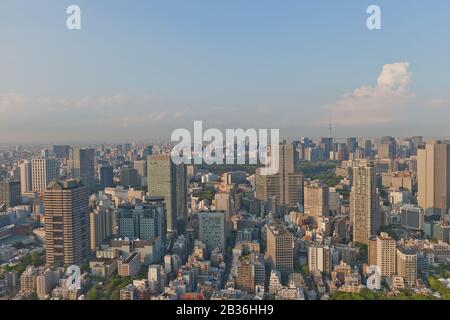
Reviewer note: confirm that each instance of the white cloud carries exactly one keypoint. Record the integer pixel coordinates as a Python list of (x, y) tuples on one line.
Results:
[(379, 104), (437, 103)]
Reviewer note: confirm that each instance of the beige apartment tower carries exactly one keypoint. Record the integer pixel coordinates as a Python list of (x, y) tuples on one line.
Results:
[(407, 265), (386, 254), (433, 177), (316, 198), (364, 202), (66, 205)]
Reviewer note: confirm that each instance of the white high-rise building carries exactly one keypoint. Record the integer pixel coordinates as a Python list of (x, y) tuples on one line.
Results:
[(43, 171)]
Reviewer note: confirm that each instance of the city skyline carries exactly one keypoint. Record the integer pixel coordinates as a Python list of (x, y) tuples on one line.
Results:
[(160, 66)]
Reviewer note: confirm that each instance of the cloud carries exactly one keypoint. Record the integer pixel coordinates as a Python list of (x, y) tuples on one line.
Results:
[(379, 104), (437, 103)]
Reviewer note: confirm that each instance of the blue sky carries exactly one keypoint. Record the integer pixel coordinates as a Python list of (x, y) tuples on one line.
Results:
[(139, 69)]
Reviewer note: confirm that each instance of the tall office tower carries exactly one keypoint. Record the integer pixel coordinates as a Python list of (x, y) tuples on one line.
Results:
[(316, 198), (211, 230), (143, 221), (320, 258), (169, 181), (352, 144), (433, 178), (129, 177), (416, 142), (386, 254), (141, 167), (25, 177), (106, 176), (387, 148), (407, 265), (102, 225), (10, 193), (250, 272), (67, 240), (43, 171), (327, 145), (368, 148), (81, 166), (286, 186), (364, 202), (280, 249), (61, 152)]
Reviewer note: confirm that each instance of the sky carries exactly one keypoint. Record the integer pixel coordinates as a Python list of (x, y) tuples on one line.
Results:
[(139, 69)]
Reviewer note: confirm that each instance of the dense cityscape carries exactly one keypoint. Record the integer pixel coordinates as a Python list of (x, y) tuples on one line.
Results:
[(352, 219), (226, 158)]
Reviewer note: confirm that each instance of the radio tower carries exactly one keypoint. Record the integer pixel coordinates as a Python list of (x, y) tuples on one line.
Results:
[(330, 128)]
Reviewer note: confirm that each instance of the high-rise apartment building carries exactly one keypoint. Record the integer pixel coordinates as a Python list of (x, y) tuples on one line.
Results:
[(433, 177), (250, 272), (169, 181), (286, 187), (386, 254), (316, 195), (67, 238), (320, 258), (212, 230), (102, 225), (407, 265), (81, 166), (280, 249), (25, 177), (43, 171), (364, 202)]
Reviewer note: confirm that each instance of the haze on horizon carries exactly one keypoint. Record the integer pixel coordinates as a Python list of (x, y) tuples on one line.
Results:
[(137, 71)]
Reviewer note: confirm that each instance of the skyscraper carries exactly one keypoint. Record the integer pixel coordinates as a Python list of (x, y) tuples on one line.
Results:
[(10, 193), (143, 221), (407, 265), (169, 181), (25, 177), (433, 177), (81, 166), (280, 249), (286, 186), (102, 225), (211, 229), (67, 238), (386, 254), (387, 148), (43, 171), (106, 176), (316, 198), (364, 202)]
